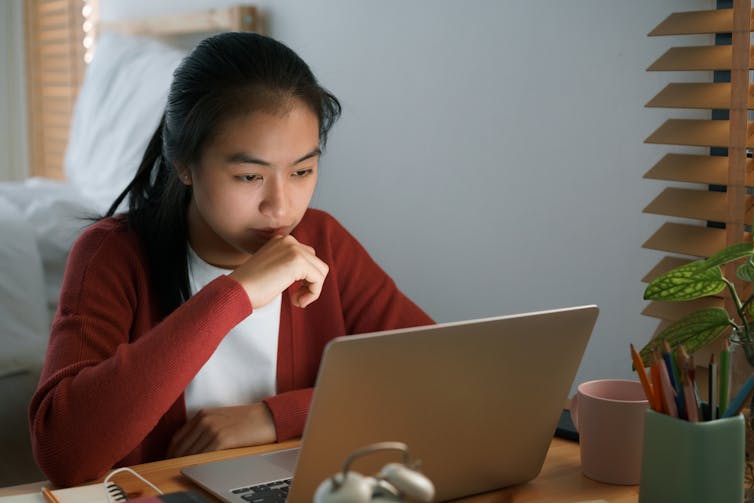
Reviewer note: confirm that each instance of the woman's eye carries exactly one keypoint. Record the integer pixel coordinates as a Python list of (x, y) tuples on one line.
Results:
[(249, 178), (303, 172)]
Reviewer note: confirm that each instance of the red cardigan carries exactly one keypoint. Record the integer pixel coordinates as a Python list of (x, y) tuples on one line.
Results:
[(111, 390)]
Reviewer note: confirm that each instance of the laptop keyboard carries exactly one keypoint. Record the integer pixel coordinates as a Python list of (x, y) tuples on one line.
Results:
[(271, 492)]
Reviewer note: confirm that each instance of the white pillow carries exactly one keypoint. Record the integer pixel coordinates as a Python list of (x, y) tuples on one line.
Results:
[(56, 213), (118, 109), (24, 322)]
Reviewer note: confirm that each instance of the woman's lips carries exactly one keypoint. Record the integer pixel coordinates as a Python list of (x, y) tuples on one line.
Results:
[(270, 232)]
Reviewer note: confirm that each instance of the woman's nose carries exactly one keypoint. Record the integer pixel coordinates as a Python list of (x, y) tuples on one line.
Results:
[(274, 201)]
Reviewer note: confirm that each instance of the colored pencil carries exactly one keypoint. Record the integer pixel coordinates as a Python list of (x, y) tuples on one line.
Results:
[(675, 378), (657, 386), (692, 409), (743, 395), (639, 366), (668, 392), (49, 497)]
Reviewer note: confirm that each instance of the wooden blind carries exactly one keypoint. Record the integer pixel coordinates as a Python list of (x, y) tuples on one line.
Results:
[(718, 217), (55, 68)]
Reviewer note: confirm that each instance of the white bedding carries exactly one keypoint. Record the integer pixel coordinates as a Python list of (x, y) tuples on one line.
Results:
[(119, 106), (23, 311)]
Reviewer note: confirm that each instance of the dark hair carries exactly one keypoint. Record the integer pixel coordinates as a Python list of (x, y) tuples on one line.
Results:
[(225, 75)]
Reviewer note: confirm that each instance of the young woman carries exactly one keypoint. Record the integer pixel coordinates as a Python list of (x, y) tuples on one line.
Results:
[(197, 320)]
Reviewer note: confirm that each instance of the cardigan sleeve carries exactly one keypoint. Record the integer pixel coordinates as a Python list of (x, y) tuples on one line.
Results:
[(100, 393), (289, 411)]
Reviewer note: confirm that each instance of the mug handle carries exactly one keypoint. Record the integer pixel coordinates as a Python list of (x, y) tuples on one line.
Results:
[(575, 411)]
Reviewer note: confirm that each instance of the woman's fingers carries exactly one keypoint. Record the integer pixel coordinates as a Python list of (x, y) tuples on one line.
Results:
[(276, 266), (224, 428), (184, 438)]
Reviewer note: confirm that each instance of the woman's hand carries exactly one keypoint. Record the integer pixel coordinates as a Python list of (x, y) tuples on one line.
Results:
[(224, 428), (277, 265)]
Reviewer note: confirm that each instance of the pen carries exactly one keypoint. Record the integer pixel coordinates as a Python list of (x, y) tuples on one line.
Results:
[(639, 365), (49, 497), (737, 404)]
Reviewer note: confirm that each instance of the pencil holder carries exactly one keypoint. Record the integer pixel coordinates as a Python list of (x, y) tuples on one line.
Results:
[(692, 462)]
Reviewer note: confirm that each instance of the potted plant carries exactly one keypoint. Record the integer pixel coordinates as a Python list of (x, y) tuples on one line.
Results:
[(699, 279)]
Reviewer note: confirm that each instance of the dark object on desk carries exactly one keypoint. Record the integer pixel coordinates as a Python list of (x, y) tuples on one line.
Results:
[(565, 428), (179, 497)]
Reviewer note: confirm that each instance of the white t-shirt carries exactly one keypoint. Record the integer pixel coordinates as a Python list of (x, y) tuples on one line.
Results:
[(242, 370)]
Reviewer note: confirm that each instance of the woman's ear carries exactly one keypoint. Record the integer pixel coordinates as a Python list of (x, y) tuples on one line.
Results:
[(184, 174)]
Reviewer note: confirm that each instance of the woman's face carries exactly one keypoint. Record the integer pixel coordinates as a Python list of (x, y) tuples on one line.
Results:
[(253, 181)]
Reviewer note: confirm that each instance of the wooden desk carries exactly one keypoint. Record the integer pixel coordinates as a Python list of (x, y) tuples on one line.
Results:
[(559, 481)]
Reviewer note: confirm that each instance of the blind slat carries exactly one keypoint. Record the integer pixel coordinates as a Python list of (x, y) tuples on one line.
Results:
[(53, 21), (59, 92), (715, 57), (696, 22), (686, 239), (696, 204), (696, 95), (690, 168), (59, 50), (702, 133), (56, 120)]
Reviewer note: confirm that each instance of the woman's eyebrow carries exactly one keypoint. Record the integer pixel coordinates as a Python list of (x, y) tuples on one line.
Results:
[(314, 153), (244, 158)]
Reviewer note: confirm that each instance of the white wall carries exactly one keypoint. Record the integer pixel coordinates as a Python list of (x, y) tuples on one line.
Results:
[(13, 133), (491, 153)]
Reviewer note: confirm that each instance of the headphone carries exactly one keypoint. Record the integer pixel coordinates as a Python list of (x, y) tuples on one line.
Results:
[(394, 482)]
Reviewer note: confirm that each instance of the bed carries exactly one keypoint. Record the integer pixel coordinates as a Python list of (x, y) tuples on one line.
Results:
[(118, 108)]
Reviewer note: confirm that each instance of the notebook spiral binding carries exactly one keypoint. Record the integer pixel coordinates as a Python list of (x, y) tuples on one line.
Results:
[(115, 492)]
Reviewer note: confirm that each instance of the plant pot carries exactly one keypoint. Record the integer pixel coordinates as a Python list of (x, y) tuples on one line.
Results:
[(742, 366)]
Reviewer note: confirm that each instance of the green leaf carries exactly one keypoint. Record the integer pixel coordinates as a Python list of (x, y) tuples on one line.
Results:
[(729, 254), (746, 271), (687, 282), (693, 331)]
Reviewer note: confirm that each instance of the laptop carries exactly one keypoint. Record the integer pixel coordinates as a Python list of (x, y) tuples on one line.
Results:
[(476, 401)]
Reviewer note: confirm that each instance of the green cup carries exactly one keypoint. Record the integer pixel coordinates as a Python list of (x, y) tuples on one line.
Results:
[(692, 462)]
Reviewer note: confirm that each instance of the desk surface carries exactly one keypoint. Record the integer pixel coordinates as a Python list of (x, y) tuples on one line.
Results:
[(559, 481)]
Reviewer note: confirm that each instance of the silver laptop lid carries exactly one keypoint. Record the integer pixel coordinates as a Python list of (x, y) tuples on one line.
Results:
[(477, 401)]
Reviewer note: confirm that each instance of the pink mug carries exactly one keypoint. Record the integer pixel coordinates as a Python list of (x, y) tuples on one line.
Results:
[(609, 416)]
